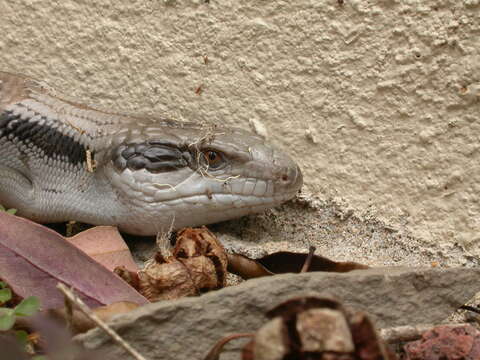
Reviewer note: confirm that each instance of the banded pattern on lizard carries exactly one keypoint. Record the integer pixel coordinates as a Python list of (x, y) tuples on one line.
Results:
[(65, 161)]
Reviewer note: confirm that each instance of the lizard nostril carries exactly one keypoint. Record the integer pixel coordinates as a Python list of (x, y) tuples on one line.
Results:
[(285, 177)]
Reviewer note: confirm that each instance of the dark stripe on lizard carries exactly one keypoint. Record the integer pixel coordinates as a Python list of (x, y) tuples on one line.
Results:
[(52, 142)]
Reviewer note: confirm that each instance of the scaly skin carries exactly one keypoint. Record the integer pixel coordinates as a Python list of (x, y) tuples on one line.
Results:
[(64, 161)]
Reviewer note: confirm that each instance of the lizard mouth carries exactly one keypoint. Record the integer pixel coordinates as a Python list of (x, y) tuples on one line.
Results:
[(197, 200), (203, 209)]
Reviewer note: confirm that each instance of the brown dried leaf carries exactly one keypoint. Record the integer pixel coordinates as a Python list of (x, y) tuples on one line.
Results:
[(245, 267), (106, 246), (285, 262), (201, 242), (166, 281), (198, 264), (290, 262), (130, 277)]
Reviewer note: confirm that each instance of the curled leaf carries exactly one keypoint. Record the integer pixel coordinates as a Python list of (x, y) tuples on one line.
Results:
[(245, 267), (286, 262), (198, 263), (290, 262)]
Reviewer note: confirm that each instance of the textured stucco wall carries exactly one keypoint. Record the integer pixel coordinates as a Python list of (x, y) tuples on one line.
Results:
[(377, 99)]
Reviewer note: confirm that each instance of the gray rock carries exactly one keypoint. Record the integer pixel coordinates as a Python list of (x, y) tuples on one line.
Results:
[(187, 328)]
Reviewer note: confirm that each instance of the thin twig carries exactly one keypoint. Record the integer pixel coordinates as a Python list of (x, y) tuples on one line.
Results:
[(68, 313), (101, 324), (308, 260), (215, 351)]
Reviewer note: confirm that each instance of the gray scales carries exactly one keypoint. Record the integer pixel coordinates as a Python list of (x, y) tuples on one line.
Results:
[(64, 161)]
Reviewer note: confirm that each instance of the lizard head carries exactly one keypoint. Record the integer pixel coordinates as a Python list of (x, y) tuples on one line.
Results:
[(187, 175)]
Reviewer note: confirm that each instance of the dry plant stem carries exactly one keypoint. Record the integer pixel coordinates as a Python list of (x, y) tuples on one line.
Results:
[(86, 310), (408, 333), (308, 260), (69, 313), (214, 353)]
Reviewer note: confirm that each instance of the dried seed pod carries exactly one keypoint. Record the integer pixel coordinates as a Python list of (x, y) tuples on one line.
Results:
[(165, 281), (269, 342), (316, 328), (198, 263), (323, 330), (192, 243), (312, 328)]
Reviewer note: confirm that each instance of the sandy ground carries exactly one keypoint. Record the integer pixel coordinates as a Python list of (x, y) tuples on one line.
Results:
[(336, 232)]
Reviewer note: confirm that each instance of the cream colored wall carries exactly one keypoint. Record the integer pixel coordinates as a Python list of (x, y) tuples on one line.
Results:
[(379, 100)]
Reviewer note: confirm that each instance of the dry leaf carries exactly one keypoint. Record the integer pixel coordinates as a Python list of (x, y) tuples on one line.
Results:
[(290, 262), (285, 262), (105, 245), (245, 267), (198, 263), (33, 259)]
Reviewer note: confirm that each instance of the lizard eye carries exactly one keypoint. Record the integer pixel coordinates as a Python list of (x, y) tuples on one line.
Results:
[(213, 158)]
